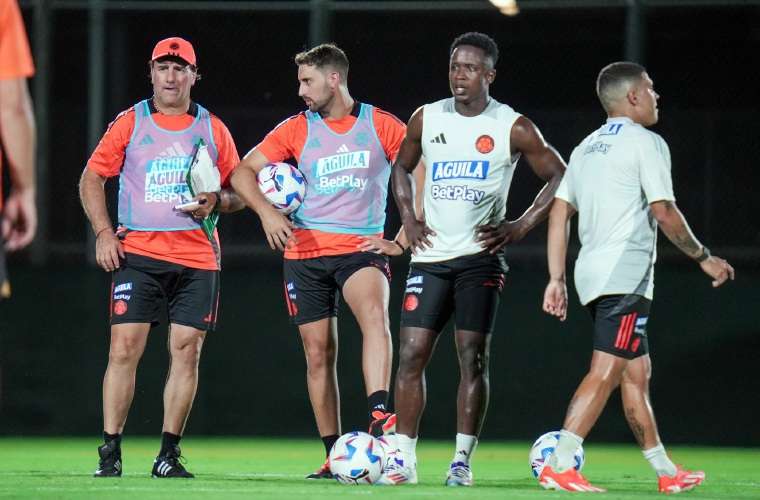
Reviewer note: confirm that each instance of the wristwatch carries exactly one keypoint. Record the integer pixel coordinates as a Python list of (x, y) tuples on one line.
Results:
[(705, 254)]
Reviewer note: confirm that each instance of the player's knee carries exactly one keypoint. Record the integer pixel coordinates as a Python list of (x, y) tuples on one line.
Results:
[(412, 359), (476, 368), (124, 352), (637, 376), (186, 346), (473, 362), (320, 358), (188, 354), (638, 383), (374, 313)]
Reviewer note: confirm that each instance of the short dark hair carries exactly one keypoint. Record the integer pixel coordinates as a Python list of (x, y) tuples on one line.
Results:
[(326, 54), (479, 40), (615, 80)]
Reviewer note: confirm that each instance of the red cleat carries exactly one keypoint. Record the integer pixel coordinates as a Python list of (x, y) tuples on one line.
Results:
[(322, 473), (382, 423), (570, 480), (684, 480)]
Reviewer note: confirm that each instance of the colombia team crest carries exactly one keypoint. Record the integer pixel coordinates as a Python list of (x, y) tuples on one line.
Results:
[(411, 302), (119, 307), (484, 144)]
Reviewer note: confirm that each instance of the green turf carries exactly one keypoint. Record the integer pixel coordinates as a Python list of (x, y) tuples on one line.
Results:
[(269, 468)]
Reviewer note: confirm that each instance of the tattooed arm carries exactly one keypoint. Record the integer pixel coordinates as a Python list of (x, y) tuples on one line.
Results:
[(674, 225)]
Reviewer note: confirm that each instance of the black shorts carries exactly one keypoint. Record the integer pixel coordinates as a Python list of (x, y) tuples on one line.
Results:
[(142, 287), (468, 286), (312, 285), (620, 325)]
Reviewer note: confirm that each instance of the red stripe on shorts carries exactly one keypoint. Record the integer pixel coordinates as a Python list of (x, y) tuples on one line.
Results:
[(631, 325), (620, 332), (623, 331)]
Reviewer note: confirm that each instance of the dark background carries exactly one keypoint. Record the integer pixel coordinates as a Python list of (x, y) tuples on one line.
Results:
[(54, 332)]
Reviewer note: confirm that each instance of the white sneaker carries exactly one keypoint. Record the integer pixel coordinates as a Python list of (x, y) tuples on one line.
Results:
[(459, 475), (395, 472)]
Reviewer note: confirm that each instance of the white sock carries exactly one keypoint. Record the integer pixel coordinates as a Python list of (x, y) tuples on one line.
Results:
[(563, 457), (659, 461), (408, 448), (465, 447)]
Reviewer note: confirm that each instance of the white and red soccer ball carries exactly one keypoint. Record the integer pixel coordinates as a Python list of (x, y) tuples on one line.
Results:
[(357, 458), (543, 447), (283, 185)]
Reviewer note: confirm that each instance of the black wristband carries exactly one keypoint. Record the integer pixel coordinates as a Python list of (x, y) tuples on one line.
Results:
[(400, 246), (705, 254)]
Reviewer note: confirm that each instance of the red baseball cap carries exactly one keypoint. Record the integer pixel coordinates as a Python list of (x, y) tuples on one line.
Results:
[(174, 46)]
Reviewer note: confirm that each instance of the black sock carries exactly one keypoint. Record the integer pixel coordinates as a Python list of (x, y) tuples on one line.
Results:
[(329, 441), (378, 400), (168, 442), (107, 438)]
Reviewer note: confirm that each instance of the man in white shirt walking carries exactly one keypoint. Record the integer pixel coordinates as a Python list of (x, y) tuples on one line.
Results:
[(619, 182)]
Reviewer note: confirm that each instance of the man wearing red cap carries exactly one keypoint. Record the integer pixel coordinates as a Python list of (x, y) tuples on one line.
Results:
[(158, 253)]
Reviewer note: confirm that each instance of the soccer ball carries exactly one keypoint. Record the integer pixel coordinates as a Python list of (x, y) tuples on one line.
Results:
[(283, 185), (543, 447), (356, 458)]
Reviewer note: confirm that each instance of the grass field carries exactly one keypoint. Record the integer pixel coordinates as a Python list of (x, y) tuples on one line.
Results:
[(269, 468)]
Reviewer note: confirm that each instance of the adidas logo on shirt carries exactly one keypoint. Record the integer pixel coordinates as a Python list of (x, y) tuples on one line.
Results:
[(439, 139), (146, 141), (175, 150), (343, 149)]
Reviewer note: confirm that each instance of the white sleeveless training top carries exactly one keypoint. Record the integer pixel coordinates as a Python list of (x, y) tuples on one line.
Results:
[(468, 172)]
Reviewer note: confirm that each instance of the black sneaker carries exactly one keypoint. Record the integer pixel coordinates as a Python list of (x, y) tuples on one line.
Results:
[(110, 460), (322, 473), (169, 465)]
